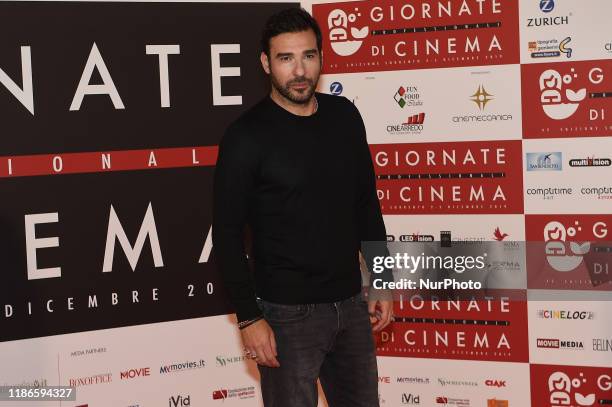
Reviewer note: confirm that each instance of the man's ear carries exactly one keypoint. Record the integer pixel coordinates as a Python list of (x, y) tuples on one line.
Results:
[(265, 62)]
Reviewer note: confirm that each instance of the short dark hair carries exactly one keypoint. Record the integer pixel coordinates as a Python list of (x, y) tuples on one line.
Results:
[(294, 19)]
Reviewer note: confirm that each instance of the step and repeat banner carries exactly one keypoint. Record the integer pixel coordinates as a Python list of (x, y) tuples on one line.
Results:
[(488, 120)]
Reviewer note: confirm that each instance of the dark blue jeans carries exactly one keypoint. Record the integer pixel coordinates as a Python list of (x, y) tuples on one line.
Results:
[(329, 341)]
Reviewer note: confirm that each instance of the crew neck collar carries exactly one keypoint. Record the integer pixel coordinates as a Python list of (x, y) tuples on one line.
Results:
[(293, 115)]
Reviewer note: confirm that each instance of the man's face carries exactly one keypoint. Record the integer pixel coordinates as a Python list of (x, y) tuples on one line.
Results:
[(294, 65)]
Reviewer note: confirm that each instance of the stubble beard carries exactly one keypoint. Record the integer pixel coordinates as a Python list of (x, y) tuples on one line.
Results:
[(295, 96)]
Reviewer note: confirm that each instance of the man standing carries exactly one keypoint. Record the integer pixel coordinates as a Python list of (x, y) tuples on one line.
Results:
[(297, 169)]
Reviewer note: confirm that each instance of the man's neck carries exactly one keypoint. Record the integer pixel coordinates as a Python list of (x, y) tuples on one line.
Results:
[(300, 109)]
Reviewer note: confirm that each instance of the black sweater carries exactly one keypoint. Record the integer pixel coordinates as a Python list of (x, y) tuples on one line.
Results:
[(306, 187)]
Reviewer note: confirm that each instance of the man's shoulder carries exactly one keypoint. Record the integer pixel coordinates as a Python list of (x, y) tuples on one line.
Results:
[(332, 99), (245, 126), (251, 116), (340, 103)]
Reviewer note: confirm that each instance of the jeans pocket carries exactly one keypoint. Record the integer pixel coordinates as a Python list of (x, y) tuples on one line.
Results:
[(285, 313)]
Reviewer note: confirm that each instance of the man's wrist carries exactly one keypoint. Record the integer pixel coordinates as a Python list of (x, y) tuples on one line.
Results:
[(380, 294), (247, 322)]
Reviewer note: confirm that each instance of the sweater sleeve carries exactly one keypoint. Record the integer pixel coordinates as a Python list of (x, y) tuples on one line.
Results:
[(372, 231), (232, 191)]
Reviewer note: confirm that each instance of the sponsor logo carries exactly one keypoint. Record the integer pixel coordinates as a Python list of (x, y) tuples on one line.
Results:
[(544, 161), (219, 394), (384, 379), (555, 236), (412, 125), (602, 345), (570, 386), (550, 48), (374, 36), (85, 352), (416, 119), (89, 380), (481, 98), (499, 235), (178, 367), (564, 48), (411, 399), (454, 382), (495, 383), (590, 162), (549, 193), (559, 344), (452, 401), (412, 380), (336, 88), (462, 339), (416, 237), (568, 390), (132, 373), (566, 315), (563, 252), (597, 192), (497, 403), (408, 96), (547, 21), (345, 38), (546, 6), (223, 361), (238, 393), (179, 401), (466, 177), (577, 245), (559, 105), (566, 99)]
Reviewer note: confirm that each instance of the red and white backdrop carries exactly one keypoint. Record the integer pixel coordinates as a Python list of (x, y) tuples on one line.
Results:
[(111, 116), (515, 96)]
